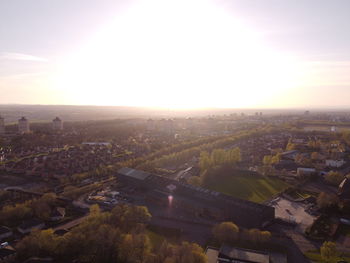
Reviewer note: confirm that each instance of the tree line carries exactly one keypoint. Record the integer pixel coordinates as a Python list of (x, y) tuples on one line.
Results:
[(181, 153), (116, 236)]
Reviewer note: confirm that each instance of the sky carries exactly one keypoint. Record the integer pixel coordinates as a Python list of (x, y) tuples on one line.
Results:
[(176, 54)]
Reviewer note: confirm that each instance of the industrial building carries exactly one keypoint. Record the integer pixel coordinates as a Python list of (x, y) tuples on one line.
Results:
[(196, 200)]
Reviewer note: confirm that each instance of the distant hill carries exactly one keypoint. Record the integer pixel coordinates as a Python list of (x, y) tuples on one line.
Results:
[(13, 112)]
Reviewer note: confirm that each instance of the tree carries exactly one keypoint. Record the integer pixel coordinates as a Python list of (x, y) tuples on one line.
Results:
[(315, 156), (326, 200), (290, 146), (346, 137), (267, 160), (328, 250), (128, 217), (135, 248), (204, 161), (194, 180), (334, 178), (226, 232), (189, 252), (9, 214), (38, 243)]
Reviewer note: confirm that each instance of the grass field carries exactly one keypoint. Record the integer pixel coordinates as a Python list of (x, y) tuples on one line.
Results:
[(256, 189), (316, 257)]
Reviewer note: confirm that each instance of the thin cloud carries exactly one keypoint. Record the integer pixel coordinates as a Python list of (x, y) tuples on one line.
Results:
[(20, 56)]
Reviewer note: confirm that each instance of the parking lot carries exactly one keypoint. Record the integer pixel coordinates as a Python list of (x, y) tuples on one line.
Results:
[(294, 212)]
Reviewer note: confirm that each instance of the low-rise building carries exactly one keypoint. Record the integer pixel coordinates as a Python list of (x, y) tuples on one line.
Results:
[(198, 201), (5, 232), (2, 125), (237, 255), (30, 225), (335, 163), (301, 171), (23, 125), (57, 124), (228, 254), (7, 255), (58, 214)]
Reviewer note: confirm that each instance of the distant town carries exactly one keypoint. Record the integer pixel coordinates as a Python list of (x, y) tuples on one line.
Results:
[(234, 187)]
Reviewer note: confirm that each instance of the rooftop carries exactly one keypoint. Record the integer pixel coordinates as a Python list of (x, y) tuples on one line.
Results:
[(31, 223), (4, 229), (5, 252), (232, 254), (137, 174), (194, 191)]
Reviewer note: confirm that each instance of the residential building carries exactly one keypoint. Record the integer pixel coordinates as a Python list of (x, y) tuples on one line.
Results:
[(23, 125), (2, 125), (226, 254), (335, 163), (301, 171), (58, 214), (237, 255), (28, 226), (57, 124), (7, 254), (5, 232)]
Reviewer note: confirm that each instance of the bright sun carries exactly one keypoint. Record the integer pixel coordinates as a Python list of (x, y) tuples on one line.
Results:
[(177, 54)]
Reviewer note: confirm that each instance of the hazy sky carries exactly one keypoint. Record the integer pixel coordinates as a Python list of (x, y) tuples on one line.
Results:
[(181, 53)]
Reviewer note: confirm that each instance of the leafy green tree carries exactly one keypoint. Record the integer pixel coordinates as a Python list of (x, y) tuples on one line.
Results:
[(195, 180), (189, 252), (226, 232), (38, 243), (334, 178), (325, 200), (328, 250), (134, 248), (12, 214)]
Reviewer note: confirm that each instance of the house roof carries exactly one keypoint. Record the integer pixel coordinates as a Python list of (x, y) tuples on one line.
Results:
[(244, 254), (30, 223), (4, 229), (140, 175), (38, 260), (5, 252), (212, 255)]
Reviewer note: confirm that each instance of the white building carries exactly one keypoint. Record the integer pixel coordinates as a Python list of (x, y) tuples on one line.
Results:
[(57, 124), (335, 163), (2, 125), (23, 125), (305, 171)]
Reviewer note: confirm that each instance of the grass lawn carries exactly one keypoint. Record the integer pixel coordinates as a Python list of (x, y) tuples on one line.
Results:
[(316, 257), (256, 189)]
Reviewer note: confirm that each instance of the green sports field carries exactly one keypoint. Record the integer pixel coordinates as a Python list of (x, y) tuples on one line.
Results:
[(256, 189)]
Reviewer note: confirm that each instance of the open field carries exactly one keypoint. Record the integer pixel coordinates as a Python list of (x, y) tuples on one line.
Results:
[(316, 257), (325, 128), (256, 189)]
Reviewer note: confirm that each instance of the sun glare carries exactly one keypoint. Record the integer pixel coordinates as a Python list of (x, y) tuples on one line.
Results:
[(177, 54)]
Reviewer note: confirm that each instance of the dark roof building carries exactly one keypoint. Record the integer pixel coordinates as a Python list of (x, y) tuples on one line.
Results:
[(232, 254), (29, 225), (7, 255), (5, 232), (200, 201), (227, 254)]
